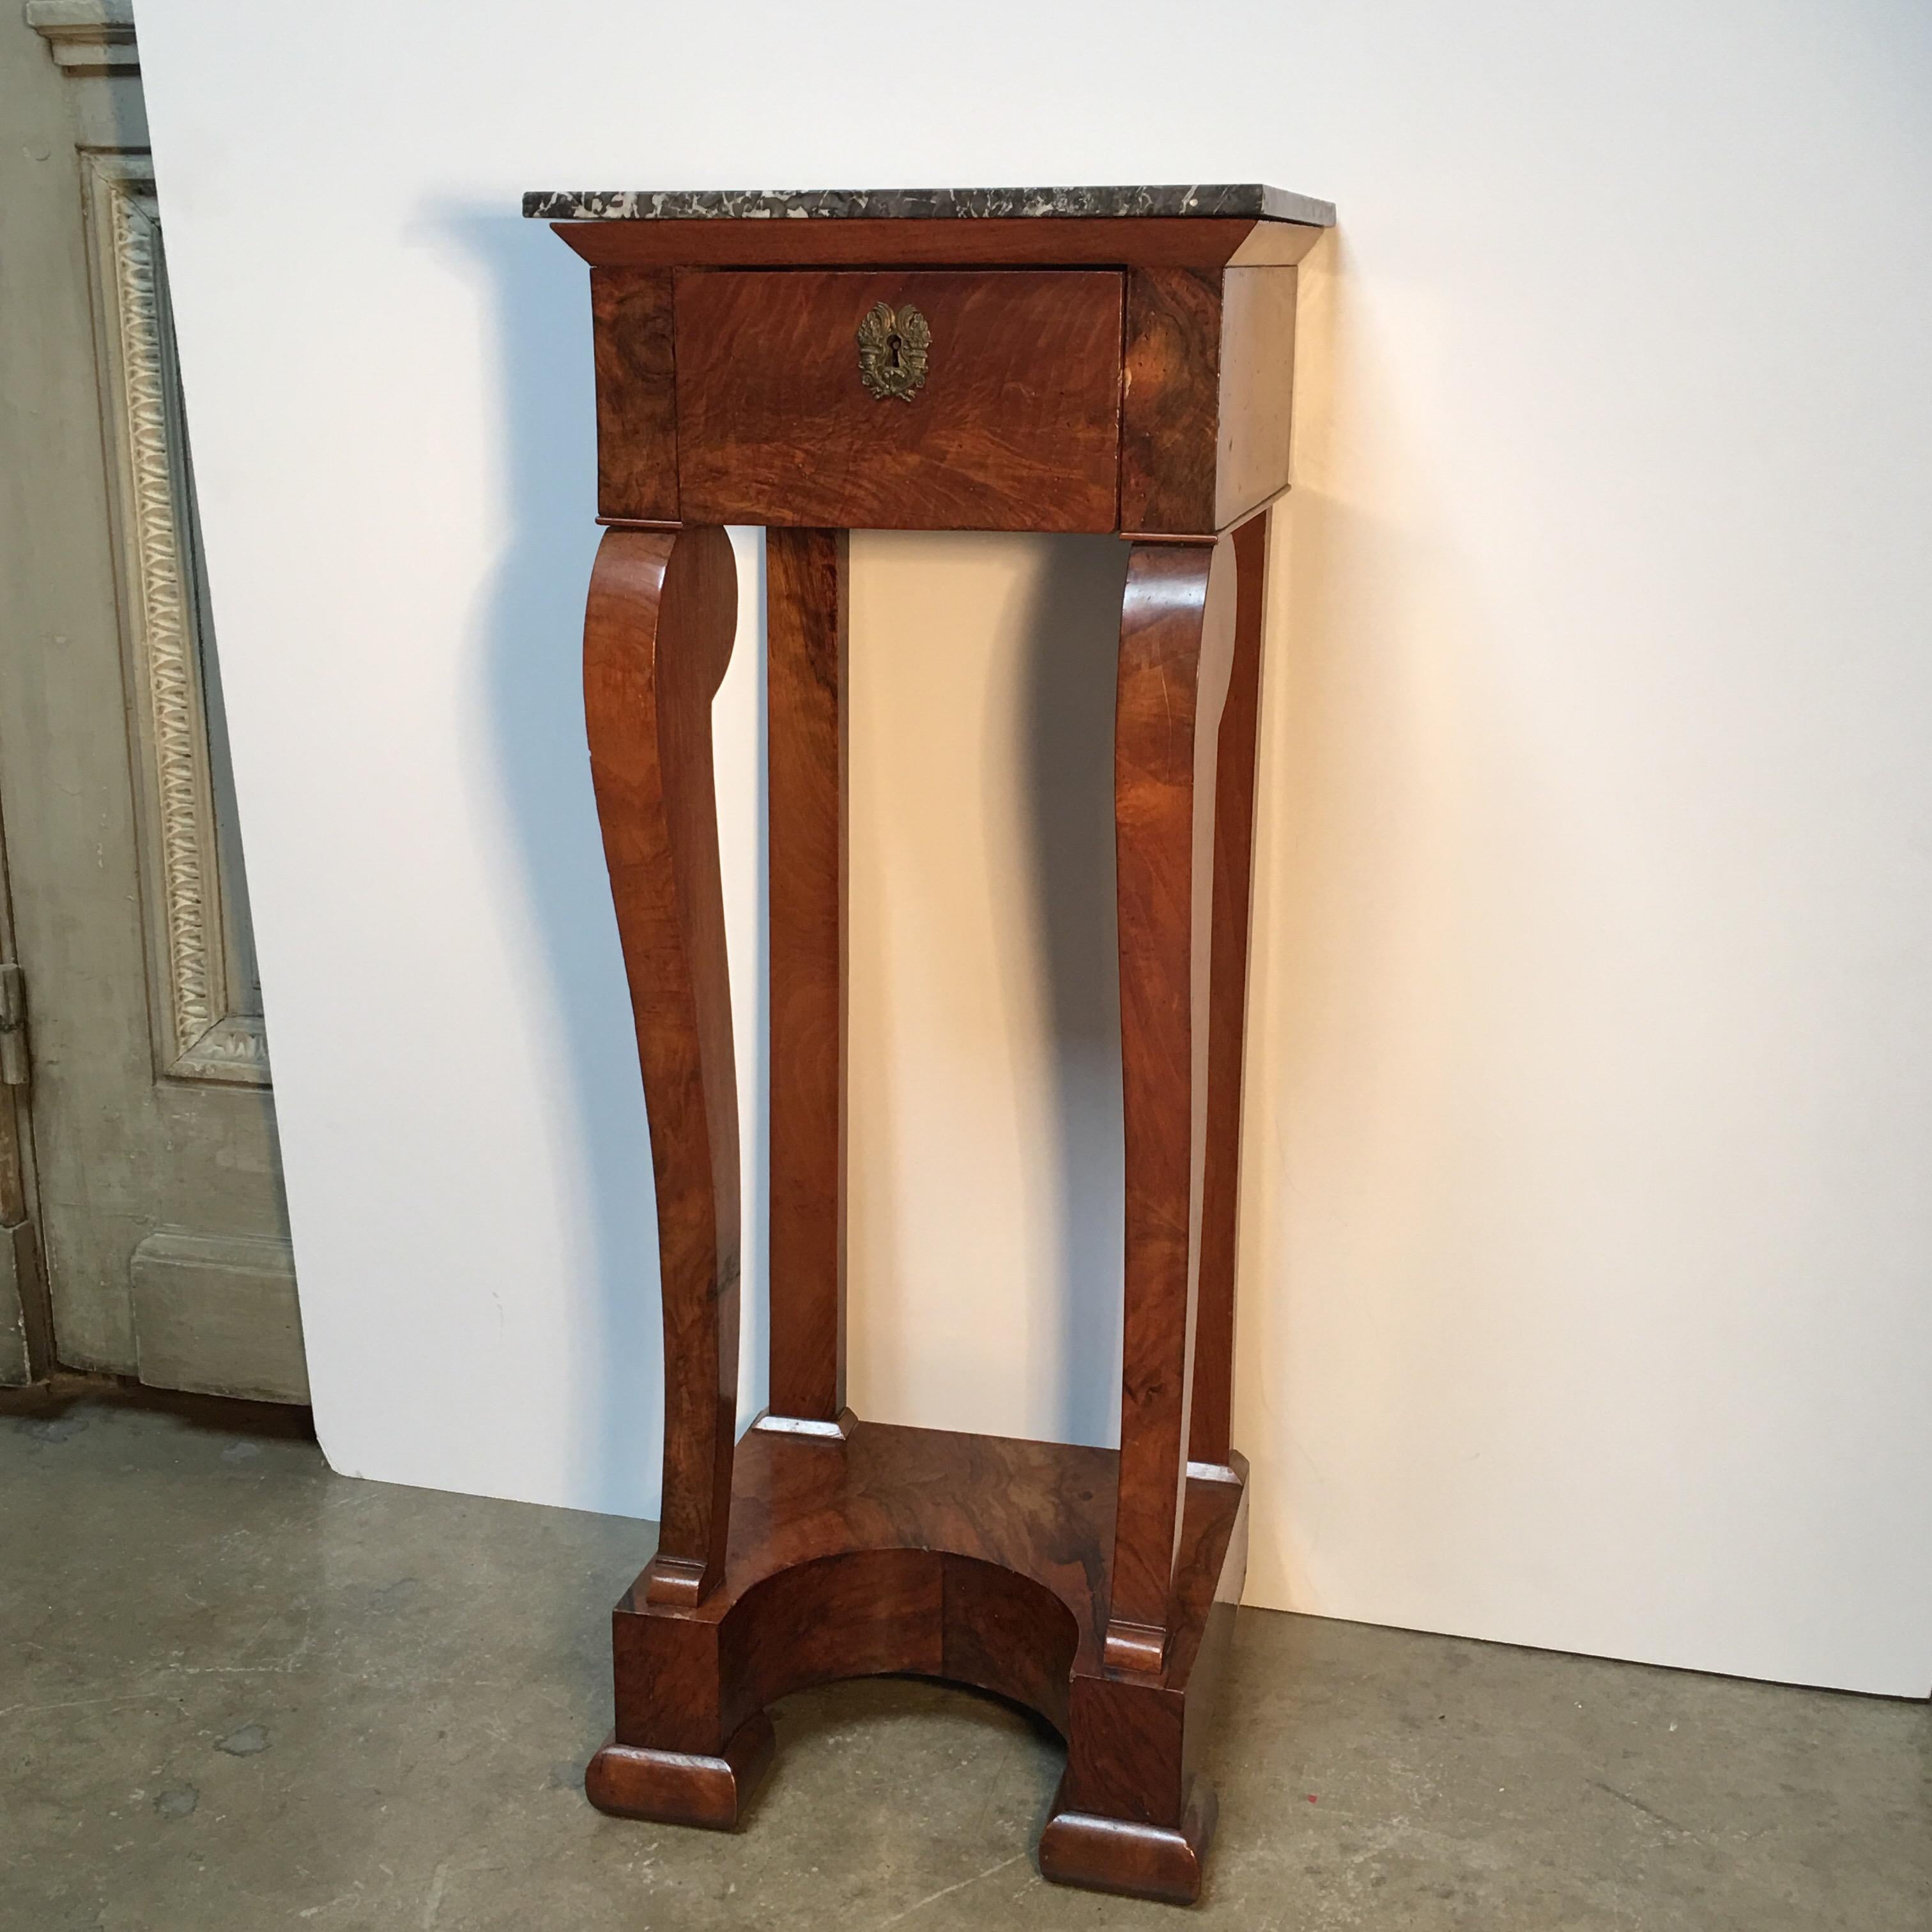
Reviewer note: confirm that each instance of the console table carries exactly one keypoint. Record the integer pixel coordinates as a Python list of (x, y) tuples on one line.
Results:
[(1083, 359)]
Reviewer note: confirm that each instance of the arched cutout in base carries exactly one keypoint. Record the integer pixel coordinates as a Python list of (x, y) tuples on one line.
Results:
[(860, 1613), (868, 1612), (975, 1560)]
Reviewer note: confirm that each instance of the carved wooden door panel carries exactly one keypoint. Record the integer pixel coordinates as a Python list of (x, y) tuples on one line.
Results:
[(150, 1166)]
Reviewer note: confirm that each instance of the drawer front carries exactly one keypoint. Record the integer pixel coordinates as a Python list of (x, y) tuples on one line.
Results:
[(1012, 422)]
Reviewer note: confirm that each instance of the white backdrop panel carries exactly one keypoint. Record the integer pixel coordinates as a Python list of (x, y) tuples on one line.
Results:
[(1587, 1232)]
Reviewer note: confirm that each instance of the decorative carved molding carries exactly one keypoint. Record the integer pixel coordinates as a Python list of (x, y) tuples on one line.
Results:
[(200, 1035), (87, 36)]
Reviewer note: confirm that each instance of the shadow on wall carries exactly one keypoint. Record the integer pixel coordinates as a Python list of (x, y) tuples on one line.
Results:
[(1070, 631), (530, 688), (987, 1184)]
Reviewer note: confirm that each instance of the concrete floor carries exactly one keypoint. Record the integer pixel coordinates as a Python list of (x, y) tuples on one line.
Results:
[(238, 1692)]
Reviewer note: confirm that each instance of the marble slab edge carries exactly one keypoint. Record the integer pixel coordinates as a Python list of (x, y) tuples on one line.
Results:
[(1249, 201)]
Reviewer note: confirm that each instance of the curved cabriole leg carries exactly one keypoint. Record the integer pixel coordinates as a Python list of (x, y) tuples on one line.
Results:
[(657, 637), (1177, 651), (1130, 1815)]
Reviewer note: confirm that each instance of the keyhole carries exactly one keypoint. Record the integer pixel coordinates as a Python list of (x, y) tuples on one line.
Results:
[(892, 346)]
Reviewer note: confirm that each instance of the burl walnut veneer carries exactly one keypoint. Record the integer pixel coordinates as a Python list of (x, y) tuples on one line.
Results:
[(1050, 359)]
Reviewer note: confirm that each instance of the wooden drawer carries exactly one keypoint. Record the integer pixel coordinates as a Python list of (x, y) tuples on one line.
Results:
[(1016, 424)]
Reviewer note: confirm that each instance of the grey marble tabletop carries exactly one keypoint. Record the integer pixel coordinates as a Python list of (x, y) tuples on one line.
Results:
[(1248, 200)]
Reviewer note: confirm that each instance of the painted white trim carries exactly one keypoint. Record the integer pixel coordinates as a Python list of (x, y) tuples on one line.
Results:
[(87, 36), (198, 1037)]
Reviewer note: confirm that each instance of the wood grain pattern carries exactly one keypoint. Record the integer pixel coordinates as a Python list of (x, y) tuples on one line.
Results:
[(683, 1788), (1177, 650), (806, 574), (974, 1558), (632, 337), (1206, 416), (1162, 1862), (1016, 427), (1210, 1436), (1206, 241), (1170, 411), (657, 637)]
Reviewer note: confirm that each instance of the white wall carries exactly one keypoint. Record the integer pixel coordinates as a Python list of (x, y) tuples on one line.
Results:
[(1588, 1230)]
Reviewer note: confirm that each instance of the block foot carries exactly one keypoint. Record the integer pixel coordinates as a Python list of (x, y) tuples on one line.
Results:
[(675, 1788), (1162, 1862)]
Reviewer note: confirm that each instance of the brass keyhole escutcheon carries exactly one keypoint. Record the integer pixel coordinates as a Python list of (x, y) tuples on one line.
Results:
[(893, 345)]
